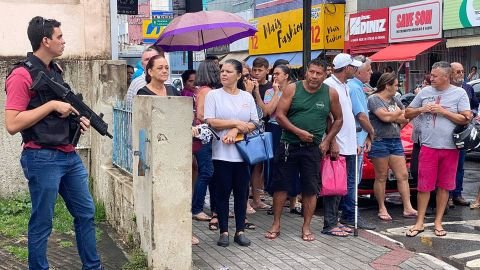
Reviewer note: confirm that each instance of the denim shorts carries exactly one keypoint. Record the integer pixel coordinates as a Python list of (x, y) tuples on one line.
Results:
[(385, 147)]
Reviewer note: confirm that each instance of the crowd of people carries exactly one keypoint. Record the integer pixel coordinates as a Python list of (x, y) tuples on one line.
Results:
[(338, 108)]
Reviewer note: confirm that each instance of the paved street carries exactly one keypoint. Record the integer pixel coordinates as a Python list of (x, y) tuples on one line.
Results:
[(462, 243)]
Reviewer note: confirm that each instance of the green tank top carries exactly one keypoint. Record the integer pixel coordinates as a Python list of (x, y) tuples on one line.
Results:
[(308, 112)]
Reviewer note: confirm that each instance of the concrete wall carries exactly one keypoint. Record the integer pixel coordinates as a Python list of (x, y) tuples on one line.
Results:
[(85, 26), (163, 195)]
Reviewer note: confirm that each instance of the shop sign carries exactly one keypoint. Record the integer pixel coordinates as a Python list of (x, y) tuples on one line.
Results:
[(283, 32), (161, 18), (150, 31), (127, 7), (461, 14), (369, 27), (416, 21)]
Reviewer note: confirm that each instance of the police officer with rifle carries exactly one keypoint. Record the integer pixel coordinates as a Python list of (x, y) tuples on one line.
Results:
[(49, 125)]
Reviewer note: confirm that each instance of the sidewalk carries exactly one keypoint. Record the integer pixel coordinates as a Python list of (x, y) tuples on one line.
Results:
[(289, 251)]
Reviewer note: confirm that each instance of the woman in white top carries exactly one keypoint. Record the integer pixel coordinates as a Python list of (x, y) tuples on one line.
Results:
[(231, 112)]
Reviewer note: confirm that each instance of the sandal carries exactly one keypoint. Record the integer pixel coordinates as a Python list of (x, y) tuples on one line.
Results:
[(308, 237), (474, 205), (345, 228), (213, 225), (272, 235), (201, 217), (337, 231), (413, 232), (440, 233), (384, 217), (250, 226)]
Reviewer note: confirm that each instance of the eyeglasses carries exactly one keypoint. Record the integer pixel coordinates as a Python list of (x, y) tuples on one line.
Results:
[(43, 26)]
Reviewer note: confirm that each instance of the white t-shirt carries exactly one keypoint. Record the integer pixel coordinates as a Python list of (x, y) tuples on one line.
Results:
[(222, 105), (347, 136)]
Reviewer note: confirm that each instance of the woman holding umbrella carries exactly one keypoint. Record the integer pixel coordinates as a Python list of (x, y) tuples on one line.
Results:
[(231, 112)]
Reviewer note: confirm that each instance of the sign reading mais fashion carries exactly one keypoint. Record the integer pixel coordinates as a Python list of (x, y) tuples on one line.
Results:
[(461, 14), (283, 32)]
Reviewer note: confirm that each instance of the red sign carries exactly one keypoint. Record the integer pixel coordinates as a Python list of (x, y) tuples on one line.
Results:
[(368, 27)]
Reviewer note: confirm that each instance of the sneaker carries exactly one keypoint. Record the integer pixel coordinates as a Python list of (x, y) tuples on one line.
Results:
[(460, 201), (242, 240), (224, 240)]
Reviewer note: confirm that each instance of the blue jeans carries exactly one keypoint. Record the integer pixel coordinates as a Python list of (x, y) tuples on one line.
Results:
[(457, 192), (348, 201), (205, 173), (51, 172)]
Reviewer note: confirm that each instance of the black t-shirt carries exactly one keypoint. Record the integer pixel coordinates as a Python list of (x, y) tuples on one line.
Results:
[(171, 91), (262, 88)]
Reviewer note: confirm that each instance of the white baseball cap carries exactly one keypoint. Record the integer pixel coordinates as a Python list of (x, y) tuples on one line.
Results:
[(343, 60)]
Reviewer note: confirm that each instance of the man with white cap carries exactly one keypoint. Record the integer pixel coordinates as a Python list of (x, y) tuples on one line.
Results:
[(344, 68)]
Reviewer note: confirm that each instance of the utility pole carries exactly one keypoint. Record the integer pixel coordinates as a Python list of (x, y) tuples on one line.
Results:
[(192, 6), (307, 36)]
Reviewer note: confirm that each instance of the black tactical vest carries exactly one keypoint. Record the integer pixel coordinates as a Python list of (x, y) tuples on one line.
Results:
[(51, 130)]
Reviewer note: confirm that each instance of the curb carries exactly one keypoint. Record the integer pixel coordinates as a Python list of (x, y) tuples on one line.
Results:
[(398, 243)]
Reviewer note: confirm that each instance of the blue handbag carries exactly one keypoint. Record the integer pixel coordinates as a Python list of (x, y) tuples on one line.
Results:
[(256, 148)]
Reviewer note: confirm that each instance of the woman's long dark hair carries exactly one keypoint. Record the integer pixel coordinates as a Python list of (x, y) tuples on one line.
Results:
[(208, 74), (285, 70)]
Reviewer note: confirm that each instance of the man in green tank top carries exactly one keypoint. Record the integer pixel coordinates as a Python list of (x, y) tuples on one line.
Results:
[(303, 113)]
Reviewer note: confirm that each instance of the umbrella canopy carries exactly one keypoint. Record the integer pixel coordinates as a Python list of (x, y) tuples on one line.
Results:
[(202, 30)]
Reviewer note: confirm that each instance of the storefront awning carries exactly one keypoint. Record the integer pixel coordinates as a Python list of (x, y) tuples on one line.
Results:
[(240, 56), (367, 49), (463, 42), (403, 51)]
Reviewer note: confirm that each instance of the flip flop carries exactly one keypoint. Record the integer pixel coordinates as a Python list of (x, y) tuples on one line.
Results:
[(272, 235), (440, 233), (337, 232), (413, 232), (201, 217), (308, 237), (345, 228), (411, 215), (384, 217)]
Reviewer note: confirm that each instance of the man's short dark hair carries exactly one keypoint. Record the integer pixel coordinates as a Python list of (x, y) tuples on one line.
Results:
[(319, 63), (38, 28), (260, 62), (130, 66), (186, 74)]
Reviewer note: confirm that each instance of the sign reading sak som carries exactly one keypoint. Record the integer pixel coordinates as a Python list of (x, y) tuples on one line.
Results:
[(416, 21), (461, 14), (283, 32)]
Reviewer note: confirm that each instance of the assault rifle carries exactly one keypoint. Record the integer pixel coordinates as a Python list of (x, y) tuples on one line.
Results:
[(67, 95)]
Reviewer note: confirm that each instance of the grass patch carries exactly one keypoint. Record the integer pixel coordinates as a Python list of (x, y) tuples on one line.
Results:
[(62, 220), (20, 253), (14, 215), (65, 244), (137, 261)]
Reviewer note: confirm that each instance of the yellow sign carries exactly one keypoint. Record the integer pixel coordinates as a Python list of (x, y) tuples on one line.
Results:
[(283, 32), (150, 31)]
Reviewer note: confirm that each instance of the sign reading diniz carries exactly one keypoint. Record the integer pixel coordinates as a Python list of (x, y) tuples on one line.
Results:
[(416, 21), (369, 27)]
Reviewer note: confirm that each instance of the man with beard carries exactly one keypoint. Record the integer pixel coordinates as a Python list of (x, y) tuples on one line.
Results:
[(303, 112), (458, 73)]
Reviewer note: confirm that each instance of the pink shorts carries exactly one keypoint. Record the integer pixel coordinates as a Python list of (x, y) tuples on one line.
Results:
[(437, 168)]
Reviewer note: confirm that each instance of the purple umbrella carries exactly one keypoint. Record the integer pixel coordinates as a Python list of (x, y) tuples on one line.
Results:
[(202, 30)]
